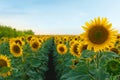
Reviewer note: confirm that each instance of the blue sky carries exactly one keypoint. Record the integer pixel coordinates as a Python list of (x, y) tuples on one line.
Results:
[(57, 16)]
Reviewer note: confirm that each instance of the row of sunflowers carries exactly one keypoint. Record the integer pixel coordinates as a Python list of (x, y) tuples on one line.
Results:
[(92, 55), (24, 58)]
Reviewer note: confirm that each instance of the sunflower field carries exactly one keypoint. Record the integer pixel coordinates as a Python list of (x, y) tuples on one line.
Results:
[(92, 55)]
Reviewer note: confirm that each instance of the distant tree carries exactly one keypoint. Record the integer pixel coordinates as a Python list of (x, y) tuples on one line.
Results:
[(7, 31), (29, 32)]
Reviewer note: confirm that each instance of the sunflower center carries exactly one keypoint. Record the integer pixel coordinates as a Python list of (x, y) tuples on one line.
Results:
[(65, 39), (61, 49), (35, 45), (98, 34), (3, 63), (16, 49), (75, 39), (60, 42)]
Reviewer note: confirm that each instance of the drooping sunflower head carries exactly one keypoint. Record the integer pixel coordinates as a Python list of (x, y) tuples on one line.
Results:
[(113, 67), (4, 62), (74, 49), (115, 50), (35, 45), (16, 50), (62, 48), (99, 34)]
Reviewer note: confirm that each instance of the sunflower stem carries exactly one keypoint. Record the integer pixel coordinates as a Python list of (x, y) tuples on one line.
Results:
[(98, 64), (91, 76), (88, 66), (111, 78)]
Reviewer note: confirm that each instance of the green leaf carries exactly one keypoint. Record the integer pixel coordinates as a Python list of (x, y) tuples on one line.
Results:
[(4, 69), (87, 54), (35, 62)]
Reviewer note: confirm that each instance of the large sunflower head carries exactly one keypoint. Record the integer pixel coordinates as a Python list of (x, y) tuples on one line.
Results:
[(113, 67), (99, 34), (62, 48), (74, 49), (16, 49), (4, 62), (35, 45)]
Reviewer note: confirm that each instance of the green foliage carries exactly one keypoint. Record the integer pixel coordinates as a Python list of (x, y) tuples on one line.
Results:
[(31, 66), (90, 66), (4, 69), (7, 31), (113, 67)]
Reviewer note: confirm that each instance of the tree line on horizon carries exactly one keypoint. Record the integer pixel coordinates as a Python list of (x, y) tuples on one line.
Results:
[(7, 31)]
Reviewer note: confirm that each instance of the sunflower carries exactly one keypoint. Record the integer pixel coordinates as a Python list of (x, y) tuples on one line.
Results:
[(76, 38), (62, 48), (74, 49), (71, 42), (99, 34), (72, 66), (60, 42), (29, 38), (40, 40), (65, 38), (16, 49), (75, 61), (115, 50), (19, 41), (35, 45), (4, 62), (82, 47), (113, 67), (4, 39), (118, 37), (22, 38)]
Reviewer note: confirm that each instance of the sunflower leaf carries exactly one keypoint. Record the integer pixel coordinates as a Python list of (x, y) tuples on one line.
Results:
[(35, 62), (88, 54), (4, 69)]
